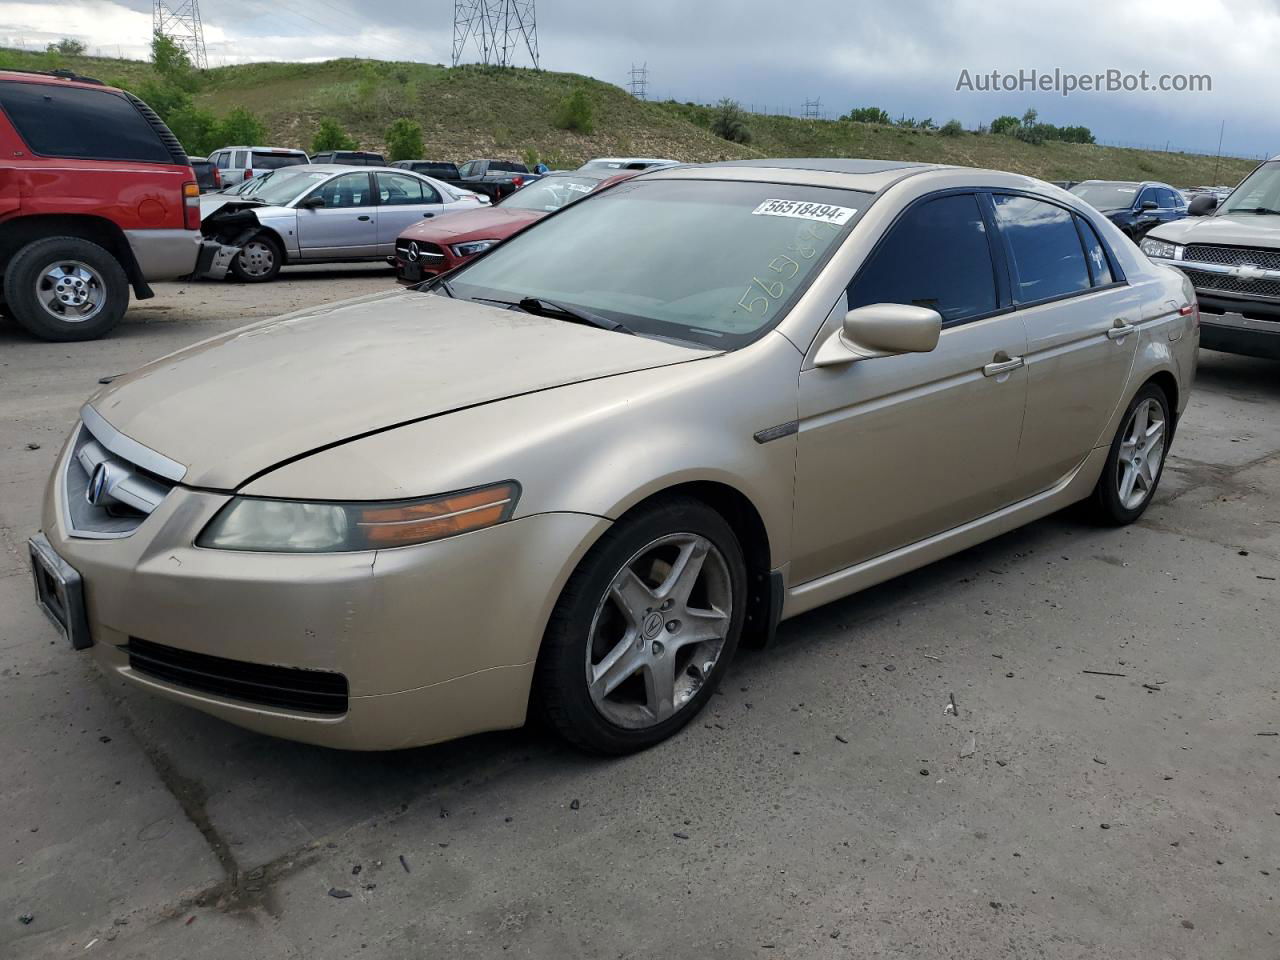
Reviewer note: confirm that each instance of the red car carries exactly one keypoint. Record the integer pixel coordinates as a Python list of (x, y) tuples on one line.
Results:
[(433, 247), (96, 196)]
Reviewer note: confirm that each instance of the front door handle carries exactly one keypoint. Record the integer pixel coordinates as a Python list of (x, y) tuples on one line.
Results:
[(363, 217), (1001, 363), (1120, 330)]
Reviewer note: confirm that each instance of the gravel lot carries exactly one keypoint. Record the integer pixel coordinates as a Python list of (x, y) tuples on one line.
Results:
[(824, 806)]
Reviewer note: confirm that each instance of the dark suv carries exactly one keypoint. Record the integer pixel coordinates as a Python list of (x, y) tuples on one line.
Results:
[(1133, 207), (96, 196), (350, 158)]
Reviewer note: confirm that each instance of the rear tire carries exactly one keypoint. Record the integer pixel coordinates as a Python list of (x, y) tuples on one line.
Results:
[(644, 629), (65, 289), (259, 260), (1136, 460)]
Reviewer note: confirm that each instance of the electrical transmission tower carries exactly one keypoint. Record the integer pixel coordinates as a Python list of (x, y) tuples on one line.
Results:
[(639, 82), (179, 20), (812, 109), (498, 29)]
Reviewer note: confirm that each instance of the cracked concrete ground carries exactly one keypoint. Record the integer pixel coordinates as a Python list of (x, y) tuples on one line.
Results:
[(820, 808)]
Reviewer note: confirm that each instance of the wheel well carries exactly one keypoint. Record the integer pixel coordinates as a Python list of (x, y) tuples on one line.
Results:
[(763, 603), (20, 231), (1169, 384)]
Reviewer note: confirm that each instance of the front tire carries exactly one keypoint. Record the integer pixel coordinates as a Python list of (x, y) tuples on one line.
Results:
[(259, 260), (1136, 460), (65, 289), (644, 629)]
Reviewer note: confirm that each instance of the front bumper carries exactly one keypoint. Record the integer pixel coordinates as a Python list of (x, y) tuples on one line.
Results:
[(1235, 324), (435, 641)]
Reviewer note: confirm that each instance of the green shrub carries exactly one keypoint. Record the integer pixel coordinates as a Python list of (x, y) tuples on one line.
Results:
[(729, 122), (67, 46), (952, 128), (404, 140), (241, 126), (1006, 124), (868, 115), (331, 136), (576, 113)]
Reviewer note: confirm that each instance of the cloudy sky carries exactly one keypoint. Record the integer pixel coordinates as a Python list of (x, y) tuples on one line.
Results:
[(903, 55)]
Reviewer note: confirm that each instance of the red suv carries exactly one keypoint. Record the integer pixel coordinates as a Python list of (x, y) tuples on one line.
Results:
[(96, 196)]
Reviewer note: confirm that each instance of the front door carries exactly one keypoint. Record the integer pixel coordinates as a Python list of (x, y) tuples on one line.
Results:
[(345, 225), (403, 200), (895, 449)]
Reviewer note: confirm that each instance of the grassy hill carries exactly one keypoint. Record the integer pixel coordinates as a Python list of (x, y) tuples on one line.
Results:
[(474, 111)]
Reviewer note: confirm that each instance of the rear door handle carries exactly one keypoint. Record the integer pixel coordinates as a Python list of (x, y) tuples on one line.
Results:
[(362, 217), (1002, 363), (1121, 329)]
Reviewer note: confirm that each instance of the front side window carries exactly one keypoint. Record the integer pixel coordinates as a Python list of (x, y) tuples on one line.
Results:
[(397, 189), (1258, 193), (469, 169), (66, 121), (348, 190), (708, 261), (937, 256), (222, 159), (1044, 248), (1148, 196)]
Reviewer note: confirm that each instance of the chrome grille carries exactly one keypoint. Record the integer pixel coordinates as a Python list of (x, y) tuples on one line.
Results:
[(107, 495), (1269, 289), (1233, 256)]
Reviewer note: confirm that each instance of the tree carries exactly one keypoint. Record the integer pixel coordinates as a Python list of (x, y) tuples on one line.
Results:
[(68, 46), (404, 140), (172, 63), (868, 115), (331, 136), (1030, 117), (729, 122), (1005, 124), (240, 126), (576, 112)]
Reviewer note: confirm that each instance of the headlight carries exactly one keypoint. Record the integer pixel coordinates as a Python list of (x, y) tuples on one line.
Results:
[(290, 526), (1159, 248), (472, 248)]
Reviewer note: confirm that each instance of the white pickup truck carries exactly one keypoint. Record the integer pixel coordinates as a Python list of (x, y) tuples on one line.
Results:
[(1231, 253)]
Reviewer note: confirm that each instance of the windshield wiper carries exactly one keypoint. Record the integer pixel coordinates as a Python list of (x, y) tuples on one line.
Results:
[(1263, 210), (543, 307), (436, 282)]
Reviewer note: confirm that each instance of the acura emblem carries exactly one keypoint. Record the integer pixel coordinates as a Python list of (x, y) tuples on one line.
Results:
[(98, 484), (413, 250)]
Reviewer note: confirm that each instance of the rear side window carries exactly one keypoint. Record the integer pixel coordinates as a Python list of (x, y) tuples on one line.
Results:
[(1099, 266), (241, 159), (1044, 248), (274, 161), (64, 121), (937, 256), (507, 167)]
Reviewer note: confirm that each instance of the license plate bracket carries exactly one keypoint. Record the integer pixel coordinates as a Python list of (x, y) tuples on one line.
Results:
[(59, 592)]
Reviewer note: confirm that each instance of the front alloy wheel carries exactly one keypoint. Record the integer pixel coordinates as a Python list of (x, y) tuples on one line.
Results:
[(644, 628)]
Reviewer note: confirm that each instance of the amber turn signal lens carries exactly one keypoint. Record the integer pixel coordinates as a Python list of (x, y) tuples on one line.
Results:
[(393, 525)]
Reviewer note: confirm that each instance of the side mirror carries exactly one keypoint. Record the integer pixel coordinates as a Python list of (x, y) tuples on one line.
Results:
[(312, 202), (1150, 205), (881, 330), (1202, 205)]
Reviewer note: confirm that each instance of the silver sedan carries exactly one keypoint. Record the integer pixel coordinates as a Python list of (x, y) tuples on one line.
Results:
[(324, 213)]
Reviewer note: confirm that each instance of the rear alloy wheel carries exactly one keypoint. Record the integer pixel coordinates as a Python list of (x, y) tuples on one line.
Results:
[(645, 628), (66, 288), (259, 260), (1136, 459)]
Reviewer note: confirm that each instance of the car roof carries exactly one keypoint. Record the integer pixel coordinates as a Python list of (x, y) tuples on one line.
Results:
[(243, 146), (869, 175), (63, 77)]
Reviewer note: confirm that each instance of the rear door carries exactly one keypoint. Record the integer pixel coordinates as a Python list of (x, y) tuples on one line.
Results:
[(893, 450), (1080, 318), (346, 226), (403, 199)]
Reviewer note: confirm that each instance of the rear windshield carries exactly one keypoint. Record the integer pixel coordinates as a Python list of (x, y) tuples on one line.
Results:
[(705, 261), (274, 161), (65, 121), (1107, 196), (428, 166)]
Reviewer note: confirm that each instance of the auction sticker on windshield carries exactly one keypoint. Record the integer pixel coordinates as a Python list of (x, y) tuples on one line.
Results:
[(822, 212)]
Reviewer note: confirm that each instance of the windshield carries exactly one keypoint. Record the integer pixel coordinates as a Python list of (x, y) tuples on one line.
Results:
[(709, 261), (283, 186), (1259, 193), (274, 161), (1107, 196), (551, 193)]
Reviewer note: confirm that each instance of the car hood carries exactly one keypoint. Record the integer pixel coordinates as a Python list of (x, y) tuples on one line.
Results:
[(236, 405), (489, 223), (216, 203), (1240, 229)]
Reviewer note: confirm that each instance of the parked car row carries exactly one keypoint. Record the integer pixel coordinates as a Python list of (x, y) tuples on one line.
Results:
[(1132, 206)]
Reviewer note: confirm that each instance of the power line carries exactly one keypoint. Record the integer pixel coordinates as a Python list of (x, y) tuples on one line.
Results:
[(497, 29), (638, 83), (179, 21)]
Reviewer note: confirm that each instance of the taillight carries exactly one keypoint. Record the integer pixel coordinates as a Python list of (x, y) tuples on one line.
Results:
[(248, 174), (517, 182), (217, 177), (191, 206)]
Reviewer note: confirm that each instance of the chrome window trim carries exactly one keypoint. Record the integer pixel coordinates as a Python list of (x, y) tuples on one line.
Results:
[(130, 449)]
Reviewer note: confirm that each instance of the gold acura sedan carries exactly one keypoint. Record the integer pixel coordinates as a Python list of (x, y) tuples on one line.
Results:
[(580, 470)]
